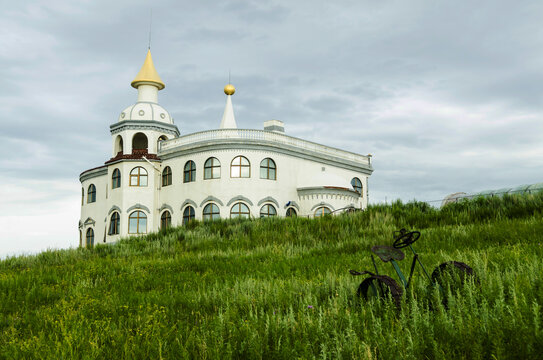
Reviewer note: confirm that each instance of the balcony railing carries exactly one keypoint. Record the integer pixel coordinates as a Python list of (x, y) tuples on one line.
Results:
[(259, 136)]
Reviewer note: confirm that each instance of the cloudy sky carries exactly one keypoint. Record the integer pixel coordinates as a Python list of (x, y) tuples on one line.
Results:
[(446, 95)]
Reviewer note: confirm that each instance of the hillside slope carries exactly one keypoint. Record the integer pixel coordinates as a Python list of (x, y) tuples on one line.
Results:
[(280, 288)]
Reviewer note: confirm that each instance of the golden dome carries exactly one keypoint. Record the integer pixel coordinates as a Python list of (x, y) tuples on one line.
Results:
[(229, 89), (148, 74)]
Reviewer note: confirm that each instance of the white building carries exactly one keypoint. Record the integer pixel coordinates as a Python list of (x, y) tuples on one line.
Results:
[(157, 178)]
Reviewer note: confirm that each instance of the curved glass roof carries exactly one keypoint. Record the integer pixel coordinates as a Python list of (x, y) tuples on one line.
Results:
[(535, 187), (521, 189)]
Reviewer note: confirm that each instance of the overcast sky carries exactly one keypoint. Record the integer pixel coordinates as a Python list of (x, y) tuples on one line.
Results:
[(446, 95)]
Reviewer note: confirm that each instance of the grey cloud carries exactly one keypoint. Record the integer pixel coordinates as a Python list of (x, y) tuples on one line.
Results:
[(445, 95), (328, 104)]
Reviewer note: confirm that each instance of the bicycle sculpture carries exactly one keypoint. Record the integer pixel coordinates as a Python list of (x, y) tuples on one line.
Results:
[(380, 286)]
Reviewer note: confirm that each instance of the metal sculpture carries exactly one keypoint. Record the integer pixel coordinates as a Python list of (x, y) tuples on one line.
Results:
[(381, 286)]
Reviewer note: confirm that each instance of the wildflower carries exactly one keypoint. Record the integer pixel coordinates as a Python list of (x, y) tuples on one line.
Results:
[(310, 306)]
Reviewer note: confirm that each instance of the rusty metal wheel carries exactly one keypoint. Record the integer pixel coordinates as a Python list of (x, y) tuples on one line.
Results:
[(453, 274), (379, 287)]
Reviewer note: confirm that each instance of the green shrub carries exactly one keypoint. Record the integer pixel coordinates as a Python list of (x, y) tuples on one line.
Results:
[(280, 288)]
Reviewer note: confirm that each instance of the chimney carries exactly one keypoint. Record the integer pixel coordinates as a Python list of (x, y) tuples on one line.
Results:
[(274, 125)]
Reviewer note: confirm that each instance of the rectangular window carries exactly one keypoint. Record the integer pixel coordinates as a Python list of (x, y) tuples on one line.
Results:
[(216, 172), (133, 226), (143, 226), (245, 172), (143, 180)]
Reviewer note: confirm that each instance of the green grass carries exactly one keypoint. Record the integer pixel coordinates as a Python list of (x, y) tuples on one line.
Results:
[(280, 288)]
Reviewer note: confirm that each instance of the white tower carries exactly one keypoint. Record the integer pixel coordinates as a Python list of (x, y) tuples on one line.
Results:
[(228, 121), (134, 170), (141, 125)]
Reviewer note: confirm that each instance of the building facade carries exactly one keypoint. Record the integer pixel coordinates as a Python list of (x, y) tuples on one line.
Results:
[(157, 178)]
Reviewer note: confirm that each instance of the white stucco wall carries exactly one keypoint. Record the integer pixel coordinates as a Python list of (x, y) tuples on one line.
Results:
[(292, 173), (94, 211), (307, 183)]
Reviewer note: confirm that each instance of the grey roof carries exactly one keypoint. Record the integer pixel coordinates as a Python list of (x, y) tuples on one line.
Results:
[(521, 189)]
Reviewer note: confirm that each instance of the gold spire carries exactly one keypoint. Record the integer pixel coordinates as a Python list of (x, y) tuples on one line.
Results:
[(148, 74), (229, 89)]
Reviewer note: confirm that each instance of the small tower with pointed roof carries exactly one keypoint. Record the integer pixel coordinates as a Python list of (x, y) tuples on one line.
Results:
[(148, 82), (142, 125), (228, 120)]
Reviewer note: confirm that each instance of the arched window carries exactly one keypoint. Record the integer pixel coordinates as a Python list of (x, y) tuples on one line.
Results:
[(291, 212), (211, 212), (161, 138), (90, 237), (139, 142), (138, 176), (137, 223), (119, 145), (82, 196), (91, 194), (167, 176), (321, 211), (189, 174), (114, 224), (240, 167), (80, 239), (165, 220), (239, 210), (267, 211), (357, 185), (268, 169), (116, 179), (188, 214), (212, 169)]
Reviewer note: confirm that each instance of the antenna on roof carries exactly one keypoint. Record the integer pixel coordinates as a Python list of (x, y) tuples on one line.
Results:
[(150, 27)]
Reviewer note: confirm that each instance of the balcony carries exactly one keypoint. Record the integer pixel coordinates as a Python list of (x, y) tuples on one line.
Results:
[(250, 136)]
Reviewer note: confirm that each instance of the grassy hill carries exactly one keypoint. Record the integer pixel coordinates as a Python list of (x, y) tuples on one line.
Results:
[(280, 288)]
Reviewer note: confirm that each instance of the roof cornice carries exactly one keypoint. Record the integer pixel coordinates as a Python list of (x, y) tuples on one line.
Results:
[(92, 173), (143, 125), (245, 144)]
